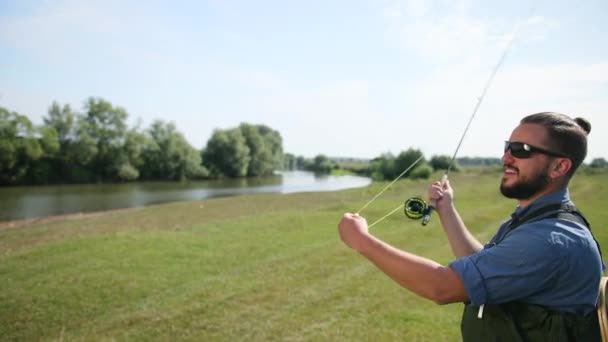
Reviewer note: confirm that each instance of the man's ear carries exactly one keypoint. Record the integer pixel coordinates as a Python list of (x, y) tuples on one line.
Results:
[(560, 167)]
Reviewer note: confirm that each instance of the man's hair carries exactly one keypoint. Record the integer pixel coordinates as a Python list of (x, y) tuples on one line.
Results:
[(567, 136)]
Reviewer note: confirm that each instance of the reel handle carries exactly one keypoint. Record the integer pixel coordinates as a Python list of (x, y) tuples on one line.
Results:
[(432, 204)]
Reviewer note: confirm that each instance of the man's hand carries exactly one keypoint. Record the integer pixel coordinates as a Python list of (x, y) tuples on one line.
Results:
[(441, 194), (353, 231)]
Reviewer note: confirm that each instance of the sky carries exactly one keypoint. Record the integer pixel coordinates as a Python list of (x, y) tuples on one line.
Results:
[(344, 78)]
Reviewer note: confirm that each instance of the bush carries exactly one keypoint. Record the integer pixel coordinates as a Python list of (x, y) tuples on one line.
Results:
[(422, 171), (127, 172)]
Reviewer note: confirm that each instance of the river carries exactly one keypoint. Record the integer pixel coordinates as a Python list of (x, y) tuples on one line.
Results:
[(28, 202)]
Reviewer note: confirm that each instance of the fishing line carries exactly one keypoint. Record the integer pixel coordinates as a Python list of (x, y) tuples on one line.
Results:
[(389, 185), (415, 207)]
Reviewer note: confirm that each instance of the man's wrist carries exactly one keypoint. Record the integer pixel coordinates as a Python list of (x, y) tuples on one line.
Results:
[(365, 243)]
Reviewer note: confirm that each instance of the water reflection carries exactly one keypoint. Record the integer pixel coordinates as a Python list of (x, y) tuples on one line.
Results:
[(41, 201)]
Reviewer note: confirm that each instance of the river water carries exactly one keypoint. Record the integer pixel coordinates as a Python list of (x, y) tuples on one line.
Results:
[(41, 201)]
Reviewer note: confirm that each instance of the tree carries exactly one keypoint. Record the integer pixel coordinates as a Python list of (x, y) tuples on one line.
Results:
[(130, 157), (598, 163), (322, 164), (479, 161), (44, 169), (289, 162), (80, 154), (136, 143), (227, 153), (443, 163), (383, 167), (261, 162), (19, 146), (265, 149), (300, 163), (106, 126), (388, 167), (274, 142), (421, 171), (405, 160), (167, 154), (62, 119)]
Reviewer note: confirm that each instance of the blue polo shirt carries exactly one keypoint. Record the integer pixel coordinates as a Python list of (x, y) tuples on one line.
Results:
[(552, 262)]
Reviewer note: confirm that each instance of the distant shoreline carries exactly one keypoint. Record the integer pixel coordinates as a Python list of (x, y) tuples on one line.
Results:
[(20, 223)]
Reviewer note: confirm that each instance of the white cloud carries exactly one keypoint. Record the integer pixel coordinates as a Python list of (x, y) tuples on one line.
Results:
[(348, 116)]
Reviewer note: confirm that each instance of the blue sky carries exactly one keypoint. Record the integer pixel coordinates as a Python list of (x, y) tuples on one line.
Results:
[(343, 78)]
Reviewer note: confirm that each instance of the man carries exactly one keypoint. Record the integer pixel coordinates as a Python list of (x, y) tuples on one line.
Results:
[(538, 278)]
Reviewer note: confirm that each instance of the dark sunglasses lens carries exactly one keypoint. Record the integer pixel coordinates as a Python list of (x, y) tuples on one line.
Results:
[(517, 150)]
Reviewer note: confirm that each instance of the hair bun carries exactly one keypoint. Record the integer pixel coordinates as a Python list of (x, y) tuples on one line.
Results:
[(585, 125)]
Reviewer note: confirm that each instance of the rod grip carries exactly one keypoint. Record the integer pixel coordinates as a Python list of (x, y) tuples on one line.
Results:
[(432, 204)]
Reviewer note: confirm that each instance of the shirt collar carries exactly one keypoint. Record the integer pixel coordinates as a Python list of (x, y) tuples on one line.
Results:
[(559, 196)]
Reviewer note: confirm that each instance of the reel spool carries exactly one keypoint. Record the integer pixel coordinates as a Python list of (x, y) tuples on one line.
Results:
[(415, 208)]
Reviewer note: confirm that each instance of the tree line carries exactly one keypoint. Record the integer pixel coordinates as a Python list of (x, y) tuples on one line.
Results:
[(387, 166), (96, 145)]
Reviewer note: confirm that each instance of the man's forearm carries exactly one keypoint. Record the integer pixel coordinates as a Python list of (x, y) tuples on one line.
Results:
[(419, 275), (463, 243)]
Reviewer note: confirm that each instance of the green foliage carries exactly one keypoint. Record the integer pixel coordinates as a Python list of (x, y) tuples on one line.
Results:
[(106, 126), (300, 163), (383, 167), (82, 151), (355, 166), (135, 145), (19, 146), (421, 171), (406, 159), (442, 162), (127, 172), (274, 143), (478, 161), (598, 163), (265, 149), (388, 167), (248, 150), (167, 154), (97, 146), (289, 162), (227, 153), (62, 119), (321, 164)]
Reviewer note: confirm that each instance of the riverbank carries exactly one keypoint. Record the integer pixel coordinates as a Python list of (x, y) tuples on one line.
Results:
[(29, 202), (251, 267), (13, 224)]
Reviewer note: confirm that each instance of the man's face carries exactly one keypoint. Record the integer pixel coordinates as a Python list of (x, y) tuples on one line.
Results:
[(523, 178)]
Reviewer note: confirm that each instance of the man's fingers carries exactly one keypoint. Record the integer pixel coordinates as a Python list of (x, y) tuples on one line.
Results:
[(446, 184)]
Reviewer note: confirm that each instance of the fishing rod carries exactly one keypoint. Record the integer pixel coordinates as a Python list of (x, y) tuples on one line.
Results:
[(415, 207), (428, 210)]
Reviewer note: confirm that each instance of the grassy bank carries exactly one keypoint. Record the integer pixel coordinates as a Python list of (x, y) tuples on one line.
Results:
[(259, 267)]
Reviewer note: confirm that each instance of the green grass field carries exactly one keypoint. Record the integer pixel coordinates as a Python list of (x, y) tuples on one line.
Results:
[(261, 267)]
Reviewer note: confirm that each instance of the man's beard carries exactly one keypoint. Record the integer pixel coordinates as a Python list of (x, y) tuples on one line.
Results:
[(526, 188)]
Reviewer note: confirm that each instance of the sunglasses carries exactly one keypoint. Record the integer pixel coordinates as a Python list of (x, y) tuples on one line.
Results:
[(522, 150)]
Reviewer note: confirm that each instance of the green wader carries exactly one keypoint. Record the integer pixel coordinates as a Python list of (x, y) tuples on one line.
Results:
[(518, 321), (514, 322)]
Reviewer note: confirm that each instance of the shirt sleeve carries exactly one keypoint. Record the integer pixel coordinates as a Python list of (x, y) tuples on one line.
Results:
[(524, 263)]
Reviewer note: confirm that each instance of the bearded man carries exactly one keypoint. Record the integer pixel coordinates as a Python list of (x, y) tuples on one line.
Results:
[(538, 277)]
